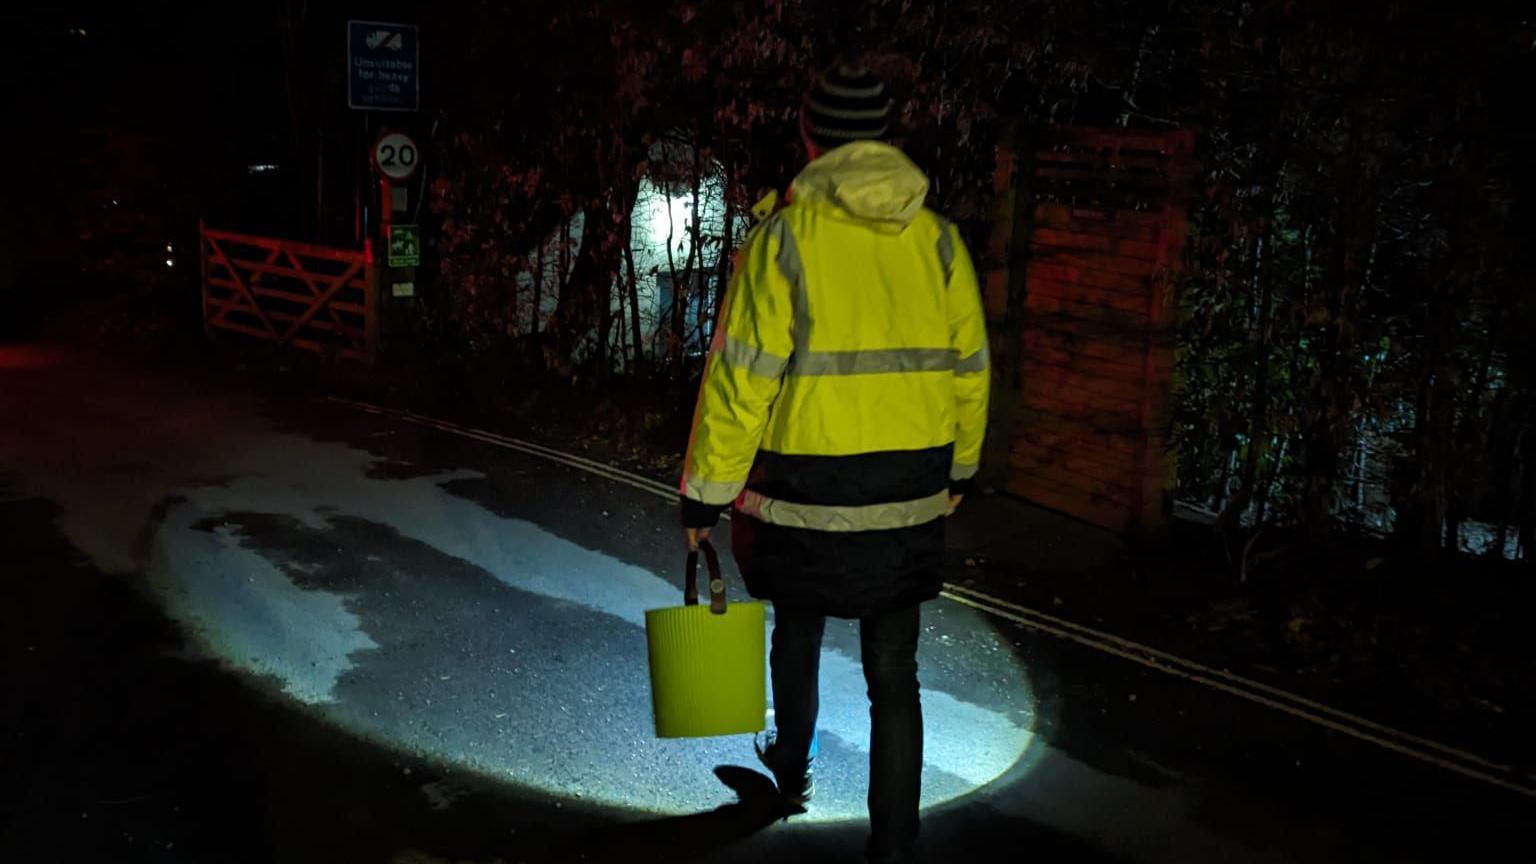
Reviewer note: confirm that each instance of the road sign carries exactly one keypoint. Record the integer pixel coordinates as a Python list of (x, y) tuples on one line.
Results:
[(383, 62), (396, 156), (404, 246)]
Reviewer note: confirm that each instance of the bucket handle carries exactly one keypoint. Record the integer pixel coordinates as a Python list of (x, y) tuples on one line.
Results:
[(716, 580)]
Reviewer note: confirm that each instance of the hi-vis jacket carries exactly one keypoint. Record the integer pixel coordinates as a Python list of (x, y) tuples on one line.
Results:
[(845, 391)]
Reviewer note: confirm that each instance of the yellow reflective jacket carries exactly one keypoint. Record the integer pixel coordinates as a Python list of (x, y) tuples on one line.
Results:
[(849, 365)]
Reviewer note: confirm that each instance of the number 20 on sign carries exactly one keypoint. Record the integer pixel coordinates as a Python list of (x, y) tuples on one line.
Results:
[(395, 155)]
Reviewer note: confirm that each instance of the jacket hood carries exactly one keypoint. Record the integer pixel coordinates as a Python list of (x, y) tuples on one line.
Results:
[(870, 180)]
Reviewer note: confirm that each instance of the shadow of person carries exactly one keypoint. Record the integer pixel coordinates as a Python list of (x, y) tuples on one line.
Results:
[(757, 806)]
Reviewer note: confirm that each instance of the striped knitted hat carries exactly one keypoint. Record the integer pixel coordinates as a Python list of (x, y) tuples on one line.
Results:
[(847, 104)]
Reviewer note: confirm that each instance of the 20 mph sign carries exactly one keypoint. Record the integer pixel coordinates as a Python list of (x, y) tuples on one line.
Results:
[(395, 155)]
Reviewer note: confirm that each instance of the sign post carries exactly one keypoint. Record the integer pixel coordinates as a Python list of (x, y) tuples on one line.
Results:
[(396, 158), (384, 74)]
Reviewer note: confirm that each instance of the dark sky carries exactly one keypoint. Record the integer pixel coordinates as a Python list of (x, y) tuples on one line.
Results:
[(128, 121), (167, 103), (203, 85), (154, 62)]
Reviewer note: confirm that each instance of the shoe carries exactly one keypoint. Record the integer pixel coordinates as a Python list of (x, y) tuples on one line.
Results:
[(796, 788)]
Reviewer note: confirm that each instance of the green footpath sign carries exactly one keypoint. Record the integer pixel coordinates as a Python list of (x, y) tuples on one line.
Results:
[(404, 246)]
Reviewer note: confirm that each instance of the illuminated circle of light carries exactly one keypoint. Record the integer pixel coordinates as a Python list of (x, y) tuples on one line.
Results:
[(551, 696)]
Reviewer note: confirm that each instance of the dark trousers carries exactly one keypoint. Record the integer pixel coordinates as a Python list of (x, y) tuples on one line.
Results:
[(889, 644)]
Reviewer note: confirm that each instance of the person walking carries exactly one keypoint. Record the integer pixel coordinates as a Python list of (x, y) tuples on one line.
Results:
[(841, 415)]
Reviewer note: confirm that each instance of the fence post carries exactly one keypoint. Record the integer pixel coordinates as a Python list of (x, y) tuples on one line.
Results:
[(1005, 287), (202, 272), (1156, 471), (372, 302)]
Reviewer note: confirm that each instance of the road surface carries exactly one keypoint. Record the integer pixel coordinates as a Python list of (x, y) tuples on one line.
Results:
[(343, 637)]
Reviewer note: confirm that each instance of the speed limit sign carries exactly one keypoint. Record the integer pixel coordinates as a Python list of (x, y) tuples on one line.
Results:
[(395, 155)]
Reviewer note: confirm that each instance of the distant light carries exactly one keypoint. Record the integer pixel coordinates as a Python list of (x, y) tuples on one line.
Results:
[(261, 168), (170, 247), (78, 31), (170, 263), (114, 202)]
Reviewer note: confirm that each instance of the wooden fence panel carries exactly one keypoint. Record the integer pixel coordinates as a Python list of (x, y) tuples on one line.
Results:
[(1083, 285), (316, 298)]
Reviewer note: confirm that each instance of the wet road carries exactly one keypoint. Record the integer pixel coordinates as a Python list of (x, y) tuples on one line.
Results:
[(480, 611)]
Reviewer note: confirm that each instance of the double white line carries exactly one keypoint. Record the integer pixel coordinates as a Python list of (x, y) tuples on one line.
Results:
[(1452, 759)]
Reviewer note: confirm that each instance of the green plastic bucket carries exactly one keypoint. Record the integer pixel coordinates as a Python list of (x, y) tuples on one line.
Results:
[(708, 662)]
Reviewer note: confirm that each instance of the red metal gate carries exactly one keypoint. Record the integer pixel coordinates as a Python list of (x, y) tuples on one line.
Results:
[(318, 298)]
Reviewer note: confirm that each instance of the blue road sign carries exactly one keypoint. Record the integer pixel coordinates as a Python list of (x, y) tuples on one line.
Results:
[(383, 65)]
